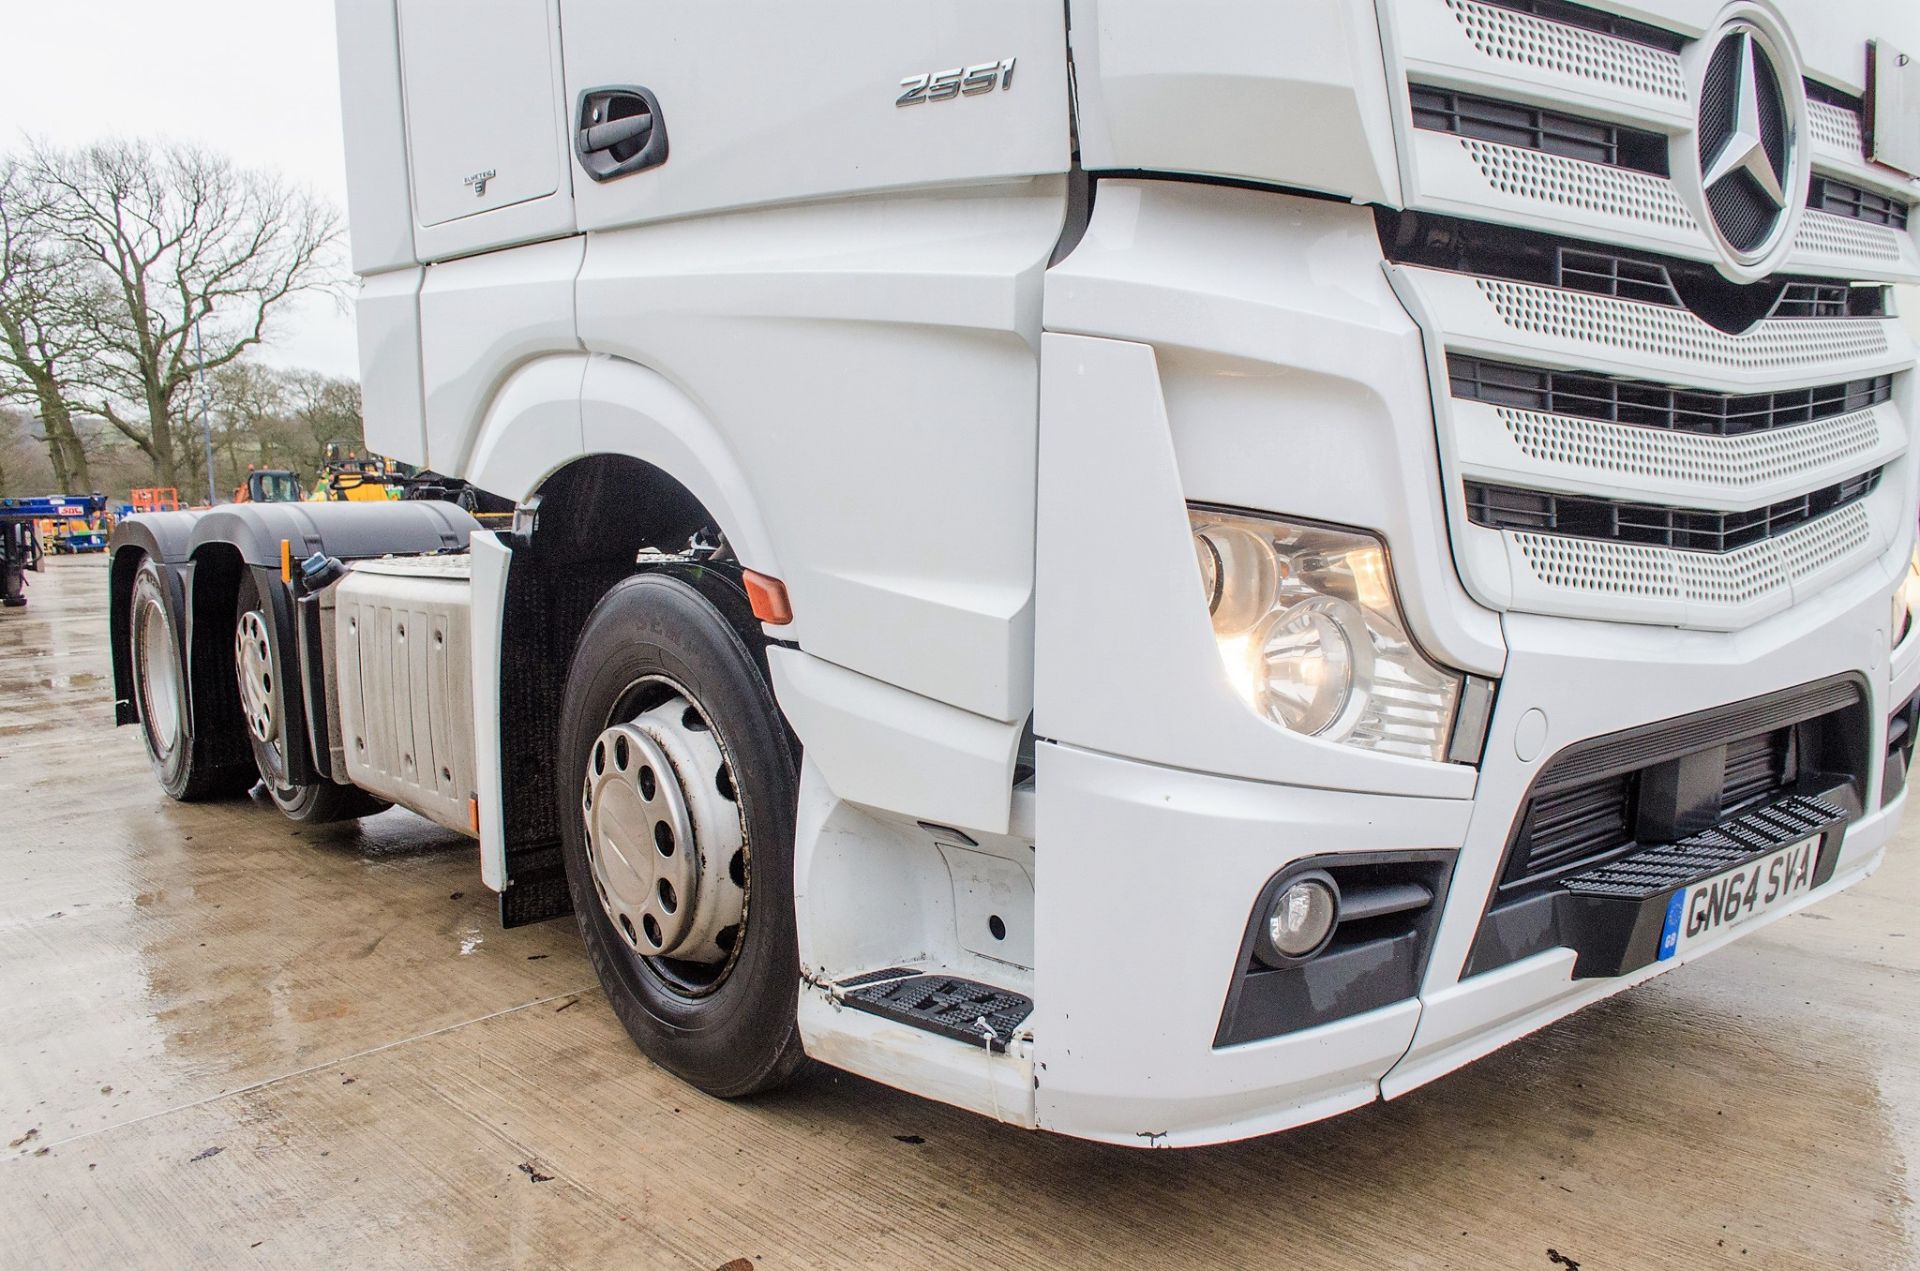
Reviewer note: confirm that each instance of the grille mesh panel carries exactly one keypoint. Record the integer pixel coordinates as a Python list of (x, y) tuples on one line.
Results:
[(1660, 332), (1835, 126), (1530, 41), (1728, 462), (1629, 570), (1589, 187), (1824, 234)]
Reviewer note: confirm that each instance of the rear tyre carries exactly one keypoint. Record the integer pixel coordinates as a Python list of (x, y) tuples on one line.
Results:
[(676, 794), (262, 707), (160, 689)]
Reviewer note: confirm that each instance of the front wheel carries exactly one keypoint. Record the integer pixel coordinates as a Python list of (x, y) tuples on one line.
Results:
[(676, 802)]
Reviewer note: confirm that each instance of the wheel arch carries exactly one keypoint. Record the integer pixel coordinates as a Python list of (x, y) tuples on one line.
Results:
[(161, 536), (593, 516), (562, 414)]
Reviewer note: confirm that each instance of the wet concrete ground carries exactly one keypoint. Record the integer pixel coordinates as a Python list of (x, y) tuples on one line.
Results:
[(226, 1041)]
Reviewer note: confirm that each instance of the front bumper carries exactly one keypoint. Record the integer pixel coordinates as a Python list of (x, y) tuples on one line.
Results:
[(1245, 349), (1147, 875)]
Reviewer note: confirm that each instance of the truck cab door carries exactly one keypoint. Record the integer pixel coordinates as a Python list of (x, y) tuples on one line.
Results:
[(761, 101)]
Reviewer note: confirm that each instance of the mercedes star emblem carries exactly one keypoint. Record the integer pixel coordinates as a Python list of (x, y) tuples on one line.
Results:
[(1745, 143), (1743, 150)]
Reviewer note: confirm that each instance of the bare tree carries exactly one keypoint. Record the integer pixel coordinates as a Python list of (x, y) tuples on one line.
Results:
[(326, 411), (43, 332), (9, 438), (184, 244), (251, 408)]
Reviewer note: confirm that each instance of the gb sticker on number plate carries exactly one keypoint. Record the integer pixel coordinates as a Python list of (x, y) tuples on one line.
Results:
[(1704, 910)]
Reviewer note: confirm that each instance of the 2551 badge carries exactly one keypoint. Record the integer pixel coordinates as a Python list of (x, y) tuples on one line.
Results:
[(955, 82)]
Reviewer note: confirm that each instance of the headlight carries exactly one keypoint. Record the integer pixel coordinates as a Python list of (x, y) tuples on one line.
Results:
[(1312, 637), (1906, 597)]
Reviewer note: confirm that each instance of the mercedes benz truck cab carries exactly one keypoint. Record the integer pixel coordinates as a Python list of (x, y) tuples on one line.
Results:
[(1154, 571)]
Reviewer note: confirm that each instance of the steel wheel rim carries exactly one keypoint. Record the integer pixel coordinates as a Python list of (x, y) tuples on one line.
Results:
[(253, 664), (158, 674), (665, 836)]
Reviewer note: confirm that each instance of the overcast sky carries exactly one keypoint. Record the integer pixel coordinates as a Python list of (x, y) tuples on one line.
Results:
[(255, 79)]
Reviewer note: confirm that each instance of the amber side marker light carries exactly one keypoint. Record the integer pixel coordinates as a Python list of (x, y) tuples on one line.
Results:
[(286, 560), (768, 597)]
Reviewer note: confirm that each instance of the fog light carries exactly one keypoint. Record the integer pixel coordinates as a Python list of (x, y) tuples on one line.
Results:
[(1301, 921)]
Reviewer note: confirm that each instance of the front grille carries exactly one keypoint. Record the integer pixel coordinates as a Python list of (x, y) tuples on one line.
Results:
[(1824, 194), (1830, 300), (1756, 768), (1532, 128), (1578, 15), (1827, 93), (1653, 524), (1611, 388), (1577, 824), (1497, 251), (1649, 405), (1610, 794), (1612, 274), (1584, 822)]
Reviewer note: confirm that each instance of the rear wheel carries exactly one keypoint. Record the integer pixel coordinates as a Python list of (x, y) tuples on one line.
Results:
[(263, 707), (677, 832), (160, 689)]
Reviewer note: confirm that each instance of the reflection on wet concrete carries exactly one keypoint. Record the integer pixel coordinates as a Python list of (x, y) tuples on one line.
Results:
[(230, 1039)]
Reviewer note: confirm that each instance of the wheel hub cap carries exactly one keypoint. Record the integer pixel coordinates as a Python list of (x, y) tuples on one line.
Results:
[(663, 835), (254, 663)]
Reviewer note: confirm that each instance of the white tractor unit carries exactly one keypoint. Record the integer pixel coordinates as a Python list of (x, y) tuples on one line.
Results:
[(1154, 571)]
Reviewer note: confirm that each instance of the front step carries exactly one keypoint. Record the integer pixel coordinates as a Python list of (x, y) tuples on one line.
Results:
[(1614, 915), (921, 1031), (950, 1005), (1656, 872)]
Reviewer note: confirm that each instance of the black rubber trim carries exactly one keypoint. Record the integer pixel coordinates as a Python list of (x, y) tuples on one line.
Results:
[(537, 885), (1816, 91), (1825, 194), (1647, 744), (1646, 404), (1485, 250), (1902, 727), (1528, 127), (1599, 520)]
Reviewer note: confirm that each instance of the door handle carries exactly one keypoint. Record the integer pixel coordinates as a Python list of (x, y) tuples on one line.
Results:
[(618, 130)]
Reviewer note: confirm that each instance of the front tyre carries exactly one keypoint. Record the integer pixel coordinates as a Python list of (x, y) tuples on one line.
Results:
[(676, 803)]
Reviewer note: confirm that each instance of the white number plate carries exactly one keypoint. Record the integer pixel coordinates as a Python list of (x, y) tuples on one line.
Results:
[(1704, 910)]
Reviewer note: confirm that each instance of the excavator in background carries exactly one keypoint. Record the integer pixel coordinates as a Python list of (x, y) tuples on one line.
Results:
[(269, 485)]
